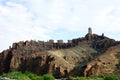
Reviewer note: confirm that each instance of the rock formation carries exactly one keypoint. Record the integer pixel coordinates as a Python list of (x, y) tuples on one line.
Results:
[(104, 64), (76, 57), (89, 36)]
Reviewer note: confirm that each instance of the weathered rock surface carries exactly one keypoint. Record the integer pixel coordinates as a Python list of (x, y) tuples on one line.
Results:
[(87, 56), (104, 64), (57, 62)]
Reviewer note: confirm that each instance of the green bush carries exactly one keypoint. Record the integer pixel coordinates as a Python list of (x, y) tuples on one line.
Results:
[(80, 78), (17, 75), (33, 76), (48, 77), (111, 77), (70, 78)]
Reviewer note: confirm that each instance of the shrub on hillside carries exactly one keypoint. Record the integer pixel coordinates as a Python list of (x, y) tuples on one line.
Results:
[(111, 77), (17, 75), (48, 77), (33, 76)]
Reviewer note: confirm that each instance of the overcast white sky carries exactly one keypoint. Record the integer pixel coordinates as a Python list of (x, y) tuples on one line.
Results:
[(57, 19)]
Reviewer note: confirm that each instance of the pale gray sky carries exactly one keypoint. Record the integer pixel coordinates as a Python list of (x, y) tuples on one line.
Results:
[(57, 19)]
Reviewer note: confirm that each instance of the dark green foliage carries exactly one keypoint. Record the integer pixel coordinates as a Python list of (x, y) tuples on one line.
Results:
[(33, 76), (79, 78), (48, 77), (17, 75), (111, 77)]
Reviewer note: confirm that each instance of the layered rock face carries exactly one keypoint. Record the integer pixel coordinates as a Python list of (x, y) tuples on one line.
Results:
[(80, 56)]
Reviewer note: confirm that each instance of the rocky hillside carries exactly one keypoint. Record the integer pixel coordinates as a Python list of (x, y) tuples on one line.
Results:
[(87, 56), (107, 63)]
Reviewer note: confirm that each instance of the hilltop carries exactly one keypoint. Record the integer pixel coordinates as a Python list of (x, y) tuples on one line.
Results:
[(92, 55)]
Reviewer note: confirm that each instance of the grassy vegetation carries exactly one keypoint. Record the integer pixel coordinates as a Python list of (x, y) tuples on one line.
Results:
[(17, 75), (110, 77)]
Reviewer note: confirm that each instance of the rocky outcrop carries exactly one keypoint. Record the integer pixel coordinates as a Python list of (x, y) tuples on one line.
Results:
[(56, 62), (104, 44), (104, 64), (80, 56), (5, 58)]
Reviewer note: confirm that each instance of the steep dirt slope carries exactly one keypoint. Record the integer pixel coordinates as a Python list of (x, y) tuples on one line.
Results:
[(69, 58)]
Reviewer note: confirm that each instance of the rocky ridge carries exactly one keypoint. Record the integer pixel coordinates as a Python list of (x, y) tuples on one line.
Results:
[(81, 56)]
